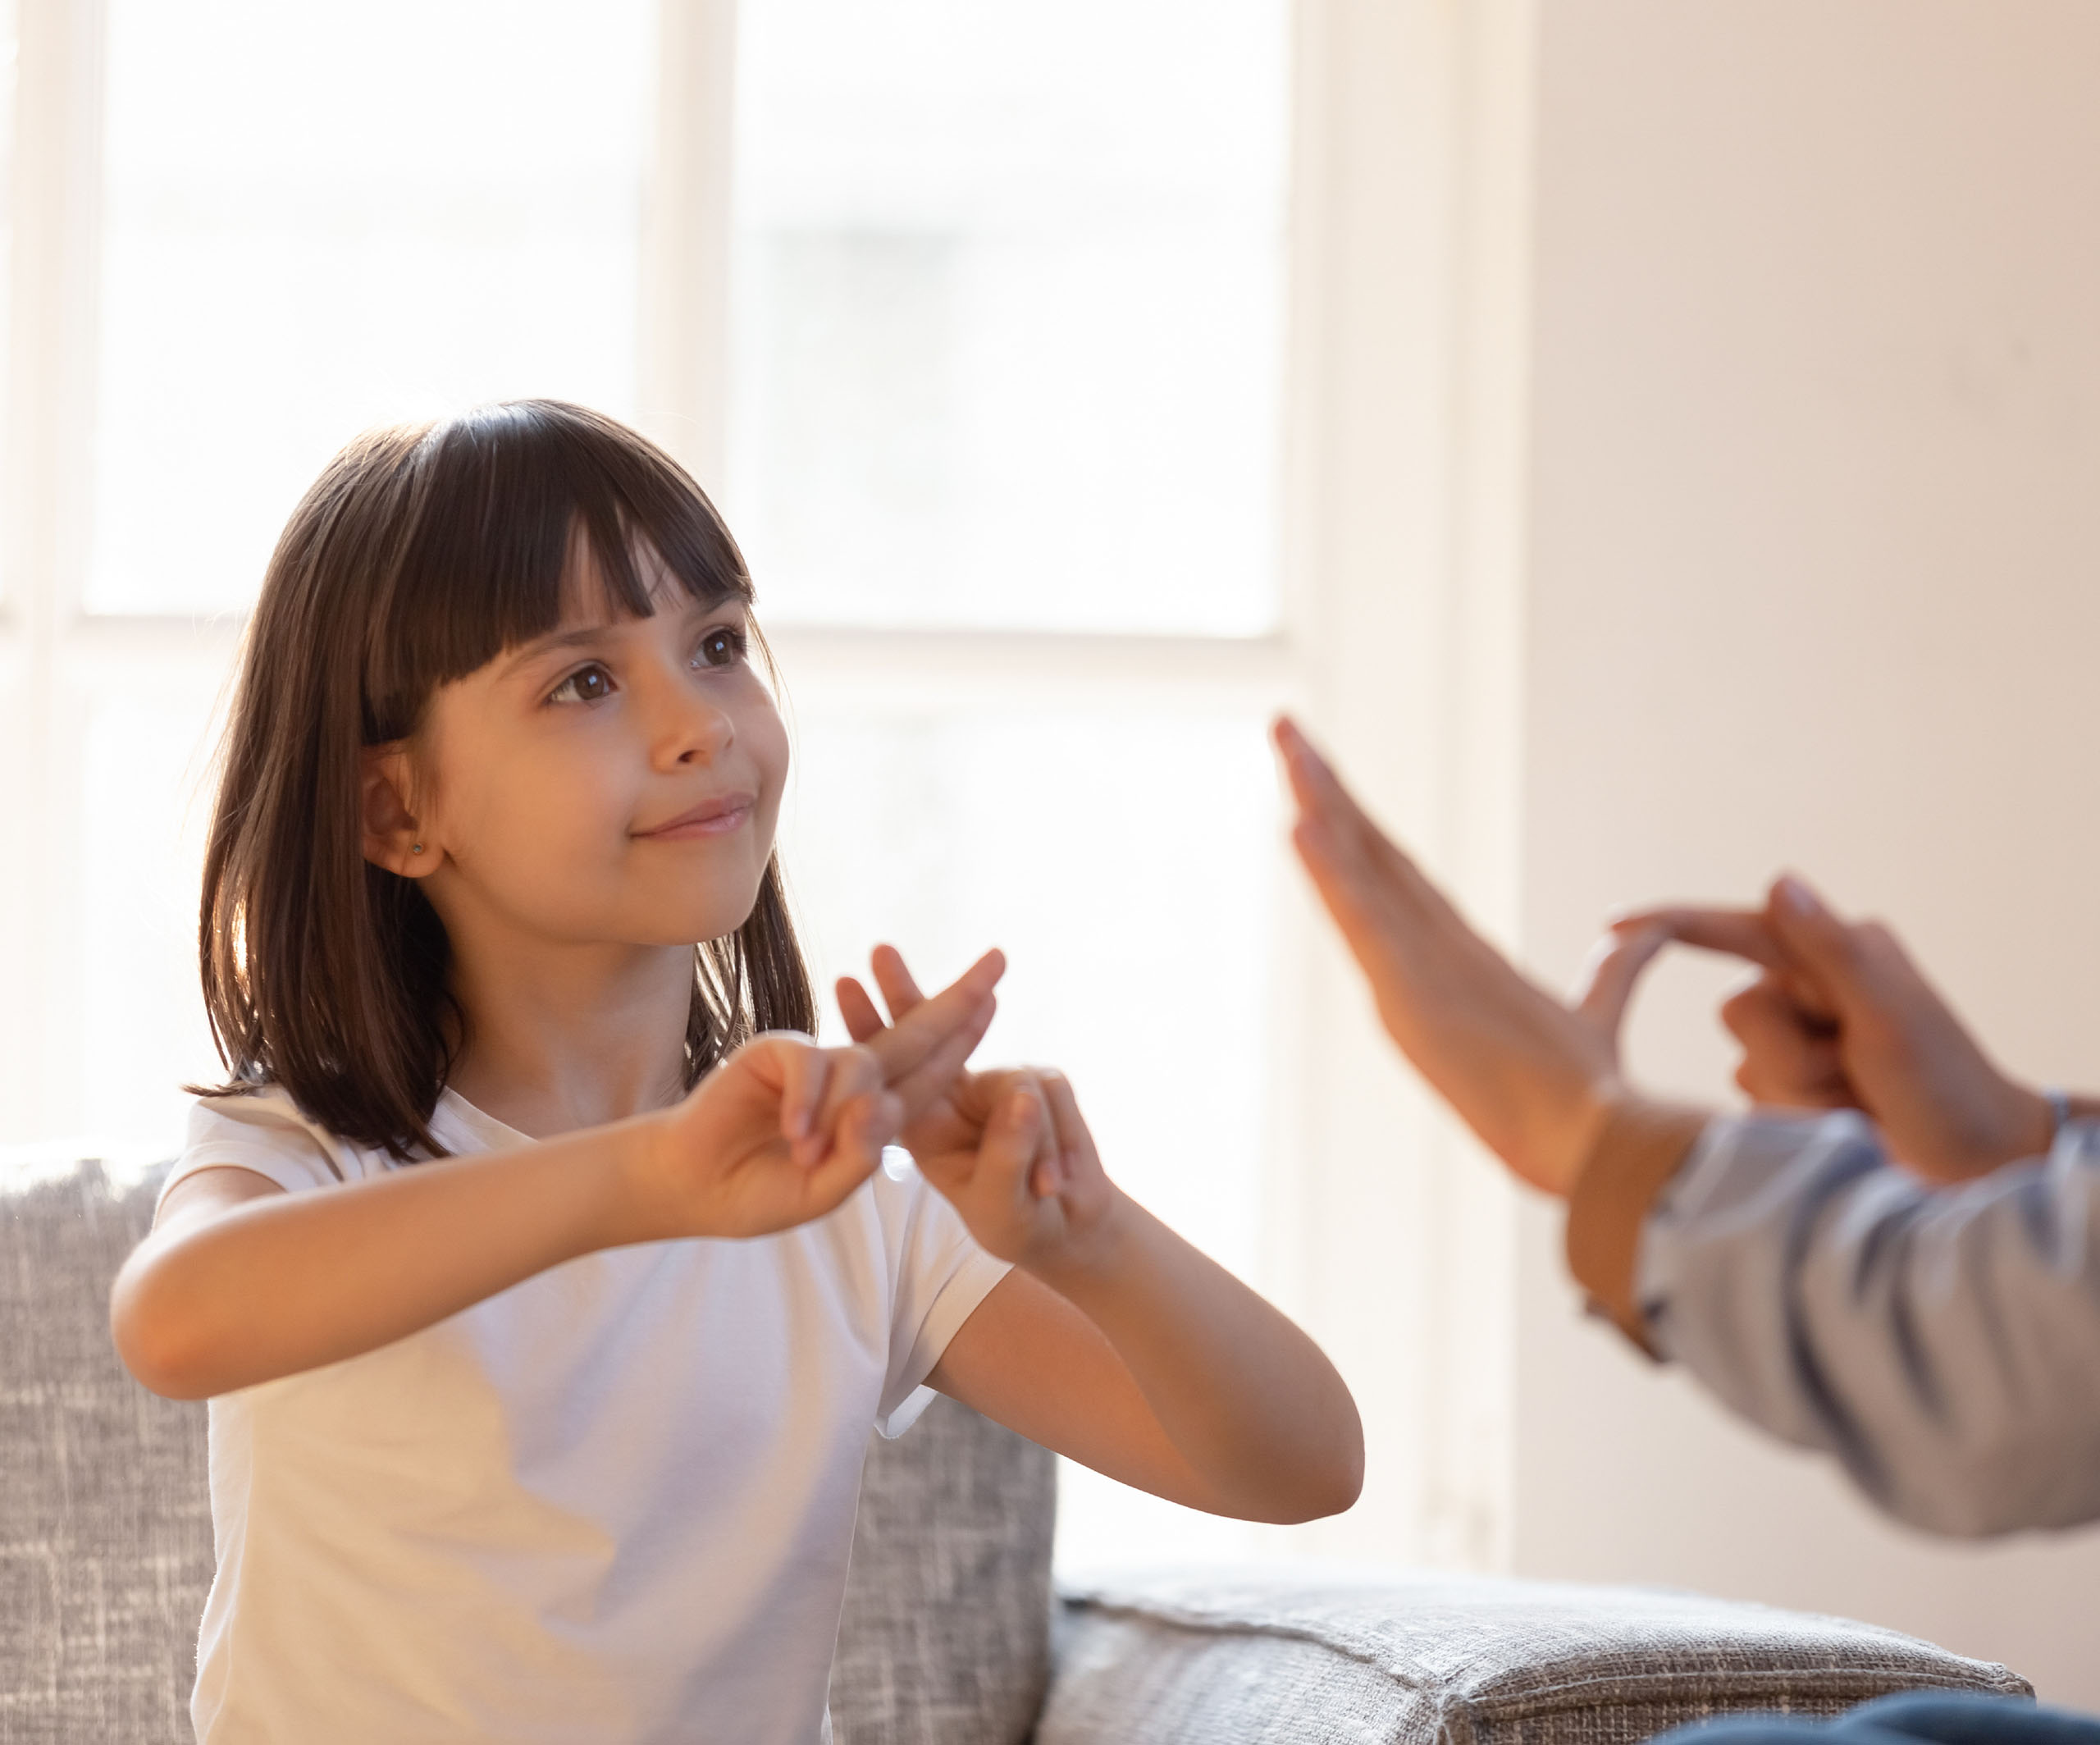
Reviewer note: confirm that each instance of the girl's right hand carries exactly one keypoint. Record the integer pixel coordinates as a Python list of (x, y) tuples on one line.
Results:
[(777, 1133), (783, 1130)]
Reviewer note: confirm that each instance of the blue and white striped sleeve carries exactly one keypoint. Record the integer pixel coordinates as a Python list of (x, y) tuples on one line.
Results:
[(1944, 1345)]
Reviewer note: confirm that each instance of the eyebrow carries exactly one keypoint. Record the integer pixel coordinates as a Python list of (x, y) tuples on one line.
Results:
[(557, 640)]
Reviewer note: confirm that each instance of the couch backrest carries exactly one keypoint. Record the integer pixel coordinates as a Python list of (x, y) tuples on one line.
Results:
[(106, 1531), (946, 1638)]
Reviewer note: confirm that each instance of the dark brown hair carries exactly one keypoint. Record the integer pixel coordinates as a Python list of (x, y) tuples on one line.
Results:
[(420, 555)]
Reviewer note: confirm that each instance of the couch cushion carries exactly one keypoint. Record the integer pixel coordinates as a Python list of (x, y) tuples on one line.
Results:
[(105, 1523), (1311, 1654), (945, 1636)]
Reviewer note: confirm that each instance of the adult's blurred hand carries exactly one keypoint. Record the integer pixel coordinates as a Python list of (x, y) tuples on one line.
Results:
[(1841, 1017), (1536, 1078)]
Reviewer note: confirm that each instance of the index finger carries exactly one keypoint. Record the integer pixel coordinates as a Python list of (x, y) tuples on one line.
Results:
[(923, 1029), (863, 1022), (900, 988), (1318, 791), (1735, 933)]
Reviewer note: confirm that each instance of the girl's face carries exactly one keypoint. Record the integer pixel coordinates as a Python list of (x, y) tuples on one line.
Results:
[(616, 782)]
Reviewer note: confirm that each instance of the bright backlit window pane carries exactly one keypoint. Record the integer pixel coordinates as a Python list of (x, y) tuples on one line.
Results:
[(145, 806), (1005, 335), (321, 216)]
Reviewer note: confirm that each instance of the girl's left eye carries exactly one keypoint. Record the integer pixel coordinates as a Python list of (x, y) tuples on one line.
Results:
[(724, 646), (586, 684)]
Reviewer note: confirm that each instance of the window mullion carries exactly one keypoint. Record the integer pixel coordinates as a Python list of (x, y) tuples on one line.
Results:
[(682, 365)]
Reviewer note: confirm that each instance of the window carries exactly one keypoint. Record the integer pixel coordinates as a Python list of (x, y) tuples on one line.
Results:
[(321, 216)]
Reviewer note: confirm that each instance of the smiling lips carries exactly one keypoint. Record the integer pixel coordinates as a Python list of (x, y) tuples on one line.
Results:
[(715, 817)]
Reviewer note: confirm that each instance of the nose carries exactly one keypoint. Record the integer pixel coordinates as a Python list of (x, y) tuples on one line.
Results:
[(690, 728)]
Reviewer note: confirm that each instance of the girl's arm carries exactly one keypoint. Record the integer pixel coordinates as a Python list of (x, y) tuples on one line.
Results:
[(1113, 1340), (240, 1283)]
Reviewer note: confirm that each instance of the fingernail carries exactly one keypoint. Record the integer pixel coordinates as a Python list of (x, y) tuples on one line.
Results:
[(1796, 896)]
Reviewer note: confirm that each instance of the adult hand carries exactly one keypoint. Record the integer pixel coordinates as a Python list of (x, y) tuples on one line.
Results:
[(1842, 1018), (1535, 1078)]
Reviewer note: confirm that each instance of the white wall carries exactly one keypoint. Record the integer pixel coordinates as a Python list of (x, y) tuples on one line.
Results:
[(1814, 580)]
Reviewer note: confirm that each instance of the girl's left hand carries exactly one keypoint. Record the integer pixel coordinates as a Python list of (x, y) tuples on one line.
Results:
[(1009, 1149)]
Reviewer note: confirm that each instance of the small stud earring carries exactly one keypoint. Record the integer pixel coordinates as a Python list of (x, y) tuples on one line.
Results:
[(417, 848)]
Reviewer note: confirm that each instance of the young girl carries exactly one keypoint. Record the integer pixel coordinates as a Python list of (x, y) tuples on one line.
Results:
[(536, 1264)]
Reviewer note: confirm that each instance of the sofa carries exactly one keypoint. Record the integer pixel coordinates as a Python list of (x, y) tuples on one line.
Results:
[(952, 1634)]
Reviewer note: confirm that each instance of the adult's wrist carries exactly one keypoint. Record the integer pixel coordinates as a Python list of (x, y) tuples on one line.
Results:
[(1639, 1147), (2028, 1125)]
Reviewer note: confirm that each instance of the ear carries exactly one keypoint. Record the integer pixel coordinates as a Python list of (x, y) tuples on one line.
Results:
[(391, 838)]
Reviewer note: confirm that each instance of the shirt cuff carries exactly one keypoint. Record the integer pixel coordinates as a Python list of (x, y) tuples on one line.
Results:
[(1642, 1146)]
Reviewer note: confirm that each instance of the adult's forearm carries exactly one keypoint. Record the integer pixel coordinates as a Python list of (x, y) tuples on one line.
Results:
[(1245, 1395), (287, 1283)]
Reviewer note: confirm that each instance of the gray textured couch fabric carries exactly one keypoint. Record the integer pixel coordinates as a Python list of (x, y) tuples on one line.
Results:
[(1231, 1658), (106, 1527), (945, 1636)]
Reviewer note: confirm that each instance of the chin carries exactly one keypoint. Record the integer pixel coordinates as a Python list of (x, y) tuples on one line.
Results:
[(693, 925)]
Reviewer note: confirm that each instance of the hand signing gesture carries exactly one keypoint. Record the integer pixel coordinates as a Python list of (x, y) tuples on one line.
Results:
[(781, 1131), (1535, 1078), (1842, 1018), (1009, 1149)]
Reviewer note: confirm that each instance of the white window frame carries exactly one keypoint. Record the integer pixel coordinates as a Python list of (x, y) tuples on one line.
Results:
[(1402, 640)]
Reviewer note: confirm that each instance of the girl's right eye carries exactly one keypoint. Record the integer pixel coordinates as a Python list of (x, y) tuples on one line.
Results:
[(586, 684)]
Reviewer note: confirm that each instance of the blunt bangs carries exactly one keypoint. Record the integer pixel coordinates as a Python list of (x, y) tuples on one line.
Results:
[(500, 497)]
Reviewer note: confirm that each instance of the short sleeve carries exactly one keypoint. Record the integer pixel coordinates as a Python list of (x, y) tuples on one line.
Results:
[(938, 1277), (265, 1134)]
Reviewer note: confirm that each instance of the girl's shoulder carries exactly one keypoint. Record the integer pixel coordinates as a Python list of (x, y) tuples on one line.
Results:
[(265, 1131)]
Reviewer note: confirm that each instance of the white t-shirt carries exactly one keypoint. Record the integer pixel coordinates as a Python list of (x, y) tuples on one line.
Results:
[(613, 1503)]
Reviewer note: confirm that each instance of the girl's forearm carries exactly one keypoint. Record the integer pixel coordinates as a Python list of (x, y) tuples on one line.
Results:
[(287, 1283), (1246, 1397)]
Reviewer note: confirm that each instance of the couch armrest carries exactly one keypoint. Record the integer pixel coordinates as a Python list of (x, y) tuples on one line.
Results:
[(1313, 1653)]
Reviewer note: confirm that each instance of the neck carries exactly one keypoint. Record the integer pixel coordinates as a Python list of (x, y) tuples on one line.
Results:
[(564, 1037)]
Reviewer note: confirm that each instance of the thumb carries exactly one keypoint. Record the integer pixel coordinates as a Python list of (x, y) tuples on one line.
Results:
[(1020, 1119), (1819, 944), (1015, 1129), (1613, 971)]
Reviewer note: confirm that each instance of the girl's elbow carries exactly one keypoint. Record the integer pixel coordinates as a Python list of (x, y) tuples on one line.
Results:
[(1351, 1487), (1340, 1483), (164, 1356), (1328, 1485)]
